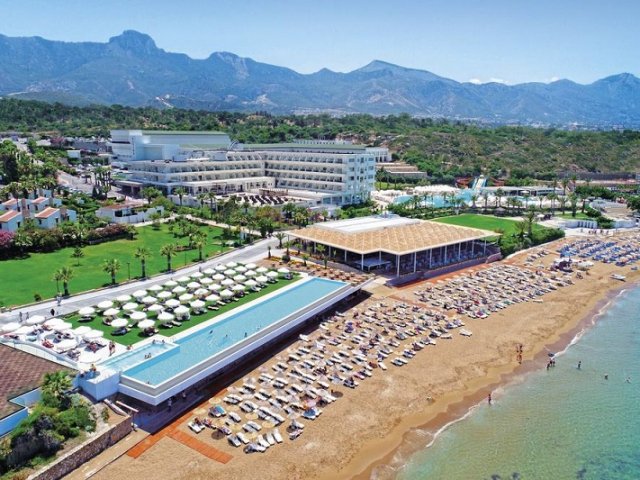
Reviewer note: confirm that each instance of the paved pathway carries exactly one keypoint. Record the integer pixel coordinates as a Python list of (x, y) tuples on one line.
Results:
[(251, 253)]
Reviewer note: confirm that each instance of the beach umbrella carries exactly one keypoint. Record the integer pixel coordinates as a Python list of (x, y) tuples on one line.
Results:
[(61, 327), (239, 278), (226, 293), (35, 320), (119, 322), (215, 287), (227, 282), (93, 335), (80, 331), (137, 316), (220, 268), (130, 306), (197, 304), (123, 299), (66, 344), (212, 298), (105, 305), (10, 327), (208, 271), (111, 312), (183, 279), (52, 322), (230, 272), (172, 303), (156, 307), (283, 270), (238, 288), (251, 283), (181, 311), (179, 289), (231, 265), (165, 317), (262, 279), (197, 275), (272, 275), (250, 273), (144, 324), (201, 292), (218, 277), (86, 311), (251, 266), (148, 300), (139, 293), (206, 281), (170, 283), (240, 269), (193, 285), (155, 288), (262, 270), (185, 297), (164, 295)]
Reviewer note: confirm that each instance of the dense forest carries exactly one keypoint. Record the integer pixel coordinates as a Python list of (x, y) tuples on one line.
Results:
[(440, 147)]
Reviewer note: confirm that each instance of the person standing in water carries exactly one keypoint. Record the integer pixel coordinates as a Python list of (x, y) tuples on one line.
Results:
[(489, 399), (579, 364)]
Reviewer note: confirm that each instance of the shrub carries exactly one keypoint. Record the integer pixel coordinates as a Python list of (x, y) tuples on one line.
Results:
[(37, 297), (6, 239)]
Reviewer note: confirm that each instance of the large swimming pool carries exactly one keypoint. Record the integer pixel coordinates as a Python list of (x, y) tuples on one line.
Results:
[(209, 341)]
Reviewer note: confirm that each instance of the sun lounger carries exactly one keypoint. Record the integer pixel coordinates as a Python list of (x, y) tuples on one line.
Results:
[(242, 438), (254, 447), (277, 436), (262, 442), (254, 425), (295, 434), (233, 440), (269, 437), (197, 428)]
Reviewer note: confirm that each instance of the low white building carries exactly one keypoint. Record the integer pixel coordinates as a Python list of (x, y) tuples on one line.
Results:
[(128, 212), (52, 217), (11, 220)]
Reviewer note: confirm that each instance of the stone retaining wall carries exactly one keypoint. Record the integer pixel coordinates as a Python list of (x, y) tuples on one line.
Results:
[(82, 453)]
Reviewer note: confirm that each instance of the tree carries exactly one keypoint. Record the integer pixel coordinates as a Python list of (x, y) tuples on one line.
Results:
[(565, 184), (322, 250), (305, 257), (499, 195), (111, 266), (280, 236), (143, 253), (64, 275), (169, 250), (563, 204), (77, 254), (150, 193), (155, 220), (529, 219), (180, 192), (199, 240), (6, 239), (485, 197), (573, 204), (56, 386)]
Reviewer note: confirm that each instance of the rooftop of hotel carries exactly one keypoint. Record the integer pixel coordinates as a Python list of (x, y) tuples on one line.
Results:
[(392, 234)]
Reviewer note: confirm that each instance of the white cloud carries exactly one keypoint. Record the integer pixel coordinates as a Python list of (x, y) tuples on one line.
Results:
[(475, 81), (554, 79), (497, 80)]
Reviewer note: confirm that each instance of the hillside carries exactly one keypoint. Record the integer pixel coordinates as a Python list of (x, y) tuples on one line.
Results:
[(131, 70), (441, 148)]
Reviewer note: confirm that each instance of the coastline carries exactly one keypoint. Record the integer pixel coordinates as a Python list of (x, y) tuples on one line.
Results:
[(462, 404)]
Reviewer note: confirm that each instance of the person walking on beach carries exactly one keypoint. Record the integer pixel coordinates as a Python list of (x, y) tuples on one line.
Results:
[(489, 399), (579, 364)]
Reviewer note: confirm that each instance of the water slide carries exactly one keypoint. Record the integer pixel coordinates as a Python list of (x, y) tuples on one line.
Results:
[(479, 183)]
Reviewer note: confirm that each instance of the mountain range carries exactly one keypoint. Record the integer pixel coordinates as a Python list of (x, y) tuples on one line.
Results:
[(131, 70)]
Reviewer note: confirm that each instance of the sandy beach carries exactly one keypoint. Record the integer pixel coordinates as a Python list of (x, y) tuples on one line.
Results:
[(367, 425)]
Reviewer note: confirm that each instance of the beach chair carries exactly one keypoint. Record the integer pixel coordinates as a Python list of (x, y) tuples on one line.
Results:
[(197, 428), (233, 440), (277, 436)]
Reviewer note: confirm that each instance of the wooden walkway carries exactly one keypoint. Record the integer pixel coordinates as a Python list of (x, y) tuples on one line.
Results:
[(199, 446)]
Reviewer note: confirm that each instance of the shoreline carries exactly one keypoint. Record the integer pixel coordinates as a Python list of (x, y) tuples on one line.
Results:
[(464, 403)]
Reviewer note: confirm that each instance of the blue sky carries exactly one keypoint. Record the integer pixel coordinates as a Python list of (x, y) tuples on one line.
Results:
[(469, 40)]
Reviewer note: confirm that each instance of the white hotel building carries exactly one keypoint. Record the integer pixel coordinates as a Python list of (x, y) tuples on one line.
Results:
[(325, 173)]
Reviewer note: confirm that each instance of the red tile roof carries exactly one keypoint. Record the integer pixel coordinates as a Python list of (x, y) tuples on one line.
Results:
[(39, 200), (11, 201), (11, 214), (47, 212)]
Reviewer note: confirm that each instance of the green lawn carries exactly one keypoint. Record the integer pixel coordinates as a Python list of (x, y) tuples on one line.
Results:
[(22, 278), (135, 334), (485, 222)]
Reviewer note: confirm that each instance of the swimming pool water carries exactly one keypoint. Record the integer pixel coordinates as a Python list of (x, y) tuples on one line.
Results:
[(209, 341), (128, 359)]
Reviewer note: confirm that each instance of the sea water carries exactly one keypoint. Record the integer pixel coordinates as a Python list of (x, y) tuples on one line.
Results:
[(564, 423)]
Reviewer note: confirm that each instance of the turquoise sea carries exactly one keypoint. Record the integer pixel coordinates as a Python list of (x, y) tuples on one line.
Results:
[(561, 424)]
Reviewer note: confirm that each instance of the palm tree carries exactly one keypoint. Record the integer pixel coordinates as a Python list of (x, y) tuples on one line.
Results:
[(321, 249), (563, 204), (56, 384), (499, 195), (529, 218), (64, 275), (573, 203), (199, 240), (305, 257), (143, 253), (485, 197), (169, 250), (77, 254), (180, 192), (111, 266), (565, 184), (280, 236), (474, 198)]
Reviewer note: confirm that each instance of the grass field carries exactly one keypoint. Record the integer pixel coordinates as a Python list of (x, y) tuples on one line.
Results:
[(135, 334), (485, 222), (22, 278)]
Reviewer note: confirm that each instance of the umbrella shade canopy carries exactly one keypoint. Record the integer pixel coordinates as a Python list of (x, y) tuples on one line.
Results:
[(111, 312), (52, 322), (218, 277), (123, 298), (139, 293), (170, 283), (251, 283), (35, 320), (262, 270), (231, 265), (10, 327), (250, 273), (165, 317), (93, 334), (262, 279), (130, 306), (201, 292), (220, 268), (240, 278), (238, 288), (197, 304), (179, 289), (240, 269), (104, 305), (81, 330), (155, 288), (66, 344), (137, 316), (62, 327), (283, 270), (272, 274), (197, 275), (213, 298), (206, 281), (226, 293), (164, 295), (148, 300), (230, 273), (172, 303), (119, 322), (183, 279), (181, 310), (251, 266), (193, 285), (144, 324), (86, 311), (208, 271), (156, 307), (227, 282), (185, 297)]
